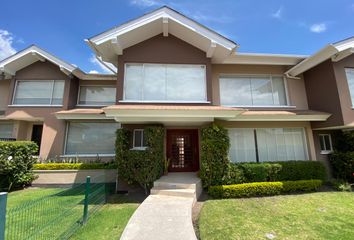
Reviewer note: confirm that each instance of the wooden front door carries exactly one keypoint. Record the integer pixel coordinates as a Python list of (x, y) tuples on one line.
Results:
[(183, 150)]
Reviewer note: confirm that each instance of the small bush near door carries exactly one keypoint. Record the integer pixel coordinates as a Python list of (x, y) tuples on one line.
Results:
[(16, 164), (141, 166)]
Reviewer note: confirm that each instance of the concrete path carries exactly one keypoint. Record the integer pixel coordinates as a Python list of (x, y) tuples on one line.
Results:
[(162, 217)]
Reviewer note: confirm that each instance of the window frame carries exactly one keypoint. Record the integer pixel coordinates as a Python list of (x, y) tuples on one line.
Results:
[(258, 160), (350, 93), (84, 154), (141, 148), (163, 101), (37, 105), (286, 90), (94, 105), (326, 151)]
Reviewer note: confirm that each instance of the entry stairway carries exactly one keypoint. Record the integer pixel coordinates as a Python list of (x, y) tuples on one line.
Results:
[(167, 213), (185, 184)]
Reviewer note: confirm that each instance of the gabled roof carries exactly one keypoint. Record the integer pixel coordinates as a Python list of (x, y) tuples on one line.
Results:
[(335, 51), (32, 54), (164, 20)]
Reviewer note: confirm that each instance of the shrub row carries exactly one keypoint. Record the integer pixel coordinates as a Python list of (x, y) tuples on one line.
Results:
[(73, 166), (274, 171), (16, 164), (343, 165), (263, 188)]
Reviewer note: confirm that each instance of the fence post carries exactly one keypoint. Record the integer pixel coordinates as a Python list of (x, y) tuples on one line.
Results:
[(3, 200), (86, 200)]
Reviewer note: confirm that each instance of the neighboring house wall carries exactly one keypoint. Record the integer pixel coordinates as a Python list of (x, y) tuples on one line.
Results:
[(343, 88), (4, 94), (53, 129), (323, 94), (295, 87), (167, 50)]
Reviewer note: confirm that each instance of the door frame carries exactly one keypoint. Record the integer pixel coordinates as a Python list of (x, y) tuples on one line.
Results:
[(195, 139)]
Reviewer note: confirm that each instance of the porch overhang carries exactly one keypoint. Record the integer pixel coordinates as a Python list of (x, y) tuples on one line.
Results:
[(169, 114), (284, 115), (81, 114)]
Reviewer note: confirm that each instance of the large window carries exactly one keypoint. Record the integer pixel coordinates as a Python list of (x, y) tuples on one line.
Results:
[(267, 144), (41, 92), (90, 138), (165, 82), (6, 130), (252, 91), (97, 95), (350, 78)]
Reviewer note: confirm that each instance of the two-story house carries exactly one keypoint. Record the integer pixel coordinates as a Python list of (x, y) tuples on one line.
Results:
[(175, 72)]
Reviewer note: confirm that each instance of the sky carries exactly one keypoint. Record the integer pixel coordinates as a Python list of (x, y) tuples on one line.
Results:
[(273, 26)]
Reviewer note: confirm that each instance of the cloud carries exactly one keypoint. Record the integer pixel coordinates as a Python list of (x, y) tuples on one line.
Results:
[(318, 27), (6, 41), (93, 71), (144, 3), (97, 63), (278, 14)]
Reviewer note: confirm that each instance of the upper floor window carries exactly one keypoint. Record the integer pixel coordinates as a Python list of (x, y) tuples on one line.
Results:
[(165, 83), (97, 95), (262, 90), (39, 92), (350, 78)]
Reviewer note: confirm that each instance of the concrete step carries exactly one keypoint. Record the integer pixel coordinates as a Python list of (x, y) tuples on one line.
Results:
[(171, 185), (173, 192)]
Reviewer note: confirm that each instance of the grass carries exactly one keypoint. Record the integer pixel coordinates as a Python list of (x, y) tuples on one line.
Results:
[(109, 222), (324, 215), (52, 213)]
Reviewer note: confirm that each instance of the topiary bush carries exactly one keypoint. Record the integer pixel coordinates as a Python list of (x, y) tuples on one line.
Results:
[(215, 144), (257, 189), (141, 166), (16, 164)]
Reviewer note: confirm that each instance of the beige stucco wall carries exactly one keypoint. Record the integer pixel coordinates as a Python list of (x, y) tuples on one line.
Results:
[(305, 125), (69, 177), (295, 87), (4, 94)]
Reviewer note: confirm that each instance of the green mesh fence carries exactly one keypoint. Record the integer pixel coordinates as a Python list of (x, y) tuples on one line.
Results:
[(55, 216)]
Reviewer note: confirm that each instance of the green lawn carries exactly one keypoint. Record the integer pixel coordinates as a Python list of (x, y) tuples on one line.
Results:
[(324, 215), (30, 208)]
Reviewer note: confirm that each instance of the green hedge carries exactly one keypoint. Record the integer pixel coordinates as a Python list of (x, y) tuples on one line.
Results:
[(73, 166), (343, 165), (143, 167), (16, 164), (275, 171), (263, 188), (215, 144)]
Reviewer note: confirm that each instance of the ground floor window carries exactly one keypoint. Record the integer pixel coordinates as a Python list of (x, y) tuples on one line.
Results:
[(90, 138), (139, 142), (326, 143), (267, 144), (6, 130)]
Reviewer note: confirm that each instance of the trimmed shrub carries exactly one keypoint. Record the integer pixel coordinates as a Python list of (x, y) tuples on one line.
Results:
[(145, 166), (263, 188), (277, 171), (343, 166), (301, 186), (16, 164), (215, 144), (234, 175), (73, 166)]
